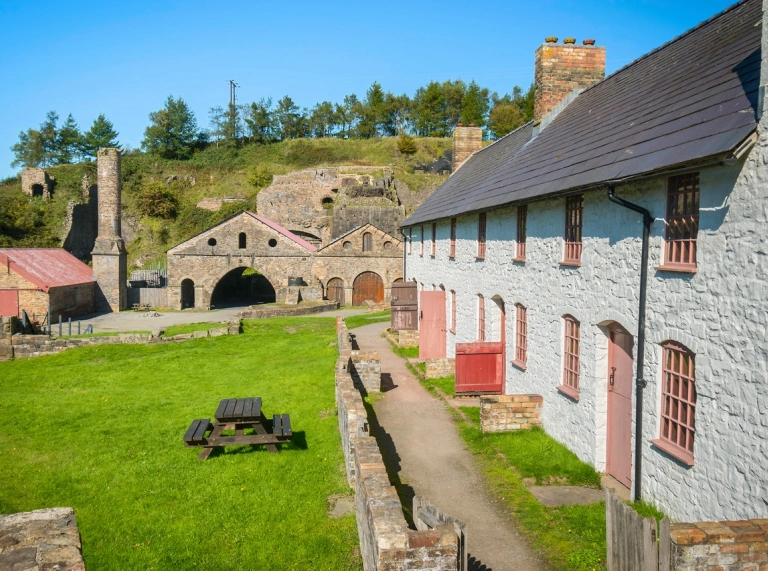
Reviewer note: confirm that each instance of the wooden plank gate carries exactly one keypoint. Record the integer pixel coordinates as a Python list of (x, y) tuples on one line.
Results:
[(334, 291), (631, 538), (405, 306), (480, 367), (427, 516), (367, 286)]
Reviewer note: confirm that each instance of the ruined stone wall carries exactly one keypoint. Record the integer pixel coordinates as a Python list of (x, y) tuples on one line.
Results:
[(259, 311), (36, 182), (714, 546), (561, 68), (466, 141), (347, 218), (41, 540), (505, 413), (72, 301)]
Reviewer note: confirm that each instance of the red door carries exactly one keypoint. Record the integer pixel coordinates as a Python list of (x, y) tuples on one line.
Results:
[(619, 445), (9, 303), (480, 367), (432, 325)]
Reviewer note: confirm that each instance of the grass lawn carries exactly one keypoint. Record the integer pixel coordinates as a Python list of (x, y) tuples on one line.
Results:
[(573, 537), (191, 328), (367, 318), (100, 429), (100, 334)]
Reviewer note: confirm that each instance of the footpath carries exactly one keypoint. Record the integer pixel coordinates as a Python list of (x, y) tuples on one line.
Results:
[(420, 443)]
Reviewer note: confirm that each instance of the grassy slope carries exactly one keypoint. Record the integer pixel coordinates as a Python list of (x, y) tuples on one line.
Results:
[(367, 318), (218, 172), (100, 429)]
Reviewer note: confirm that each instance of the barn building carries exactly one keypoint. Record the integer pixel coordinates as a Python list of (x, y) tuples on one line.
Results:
[(249, 258), (650, 355), (39, 280)]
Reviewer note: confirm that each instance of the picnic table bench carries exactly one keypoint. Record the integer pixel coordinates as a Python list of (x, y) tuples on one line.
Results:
[(238, 415)]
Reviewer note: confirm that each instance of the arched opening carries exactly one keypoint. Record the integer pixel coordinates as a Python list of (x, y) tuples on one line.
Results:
[(334, 291), (241, 241), (37, 190), (367, 286), (367, 242), (242, 286), (327, 202), (187, 294)]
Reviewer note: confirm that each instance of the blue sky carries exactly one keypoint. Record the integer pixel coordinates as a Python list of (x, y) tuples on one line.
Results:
[(123, 59)]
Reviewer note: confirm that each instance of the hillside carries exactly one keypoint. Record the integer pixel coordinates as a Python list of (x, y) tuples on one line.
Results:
[(160, 196)]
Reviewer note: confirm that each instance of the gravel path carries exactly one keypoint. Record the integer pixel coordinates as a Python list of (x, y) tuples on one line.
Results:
[(419, 439)]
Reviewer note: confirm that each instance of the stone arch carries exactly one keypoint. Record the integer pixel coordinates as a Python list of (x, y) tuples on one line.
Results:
[(334, 291), (38, 190), (187, 293), (367, 286), (497, 328), (242, 286)]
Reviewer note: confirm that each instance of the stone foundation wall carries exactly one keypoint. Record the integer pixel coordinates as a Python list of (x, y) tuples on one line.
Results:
[(505, 413), (438, 368), (40, 540), (259, 312), (715, 546), (408, 338), (365, 369), (25, 346), (386, 542)]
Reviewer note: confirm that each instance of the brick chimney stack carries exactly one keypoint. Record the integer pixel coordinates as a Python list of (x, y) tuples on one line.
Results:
[(466, 140), (109, 256), (561, 68)]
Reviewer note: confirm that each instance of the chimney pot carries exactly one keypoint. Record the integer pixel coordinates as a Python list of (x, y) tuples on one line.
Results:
[(472, 125), (551, 39), (569, 41), (459, 124), (588, 42)]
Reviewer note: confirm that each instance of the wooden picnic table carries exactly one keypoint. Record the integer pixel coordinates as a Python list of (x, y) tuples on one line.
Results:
[(238, 415)]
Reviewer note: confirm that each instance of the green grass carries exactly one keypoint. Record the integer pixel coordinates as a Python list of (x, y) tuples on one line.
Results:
[(446, 384), (100, 429), (367, 318), (191, 328), (573, 537)]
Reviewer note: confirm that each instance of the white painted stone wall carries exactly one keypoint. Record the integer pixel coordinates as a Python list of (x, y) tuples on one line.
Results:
[(720, 313)]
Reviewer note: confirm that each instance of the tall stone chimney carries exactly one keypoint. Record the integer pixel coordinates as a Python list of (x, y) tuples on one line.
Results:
[(109, 257), (561, 68), (466, 140)]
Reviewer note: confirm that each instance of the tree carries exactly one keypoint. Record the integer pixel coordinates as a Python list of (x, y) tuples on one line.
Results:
[(505, 118), (525, 102), (406, 144), (288, 119), (37, 147), (397, 113), (475, 105), (323, 120), (261, 122), (173, 131), (101, 135), (347, 115), (226, 124), (372, 112), (454, 103), (429, 111), (69, 142)]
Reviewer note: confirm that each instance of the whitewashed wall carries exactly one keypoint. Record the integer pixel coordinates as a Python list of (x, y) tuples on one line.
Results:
[(719, 313)]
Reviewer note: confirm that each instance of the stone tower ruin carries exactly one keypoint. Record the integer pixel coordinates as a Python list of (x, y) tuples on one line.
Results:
[(109, 256)]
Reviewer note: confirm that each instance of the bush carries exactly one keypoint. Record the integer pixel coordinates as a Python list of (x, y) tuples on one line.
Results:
[(158, 201), (406, 144), (260, 176)]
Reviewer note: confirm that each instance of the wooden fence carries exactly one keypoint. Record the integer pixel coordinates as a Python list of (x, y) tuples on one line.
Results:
[(148, 296), (632, 539)]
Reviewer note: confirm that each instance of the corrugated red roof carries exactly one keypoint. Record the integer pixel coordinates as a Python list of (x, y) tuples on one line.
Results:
[(287, 233), (46, 267)]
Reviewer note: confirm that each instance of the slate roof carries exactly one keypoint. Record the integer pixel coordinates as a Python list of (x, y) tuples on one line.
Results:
[(46, 267), (287, 233), (691, 99)]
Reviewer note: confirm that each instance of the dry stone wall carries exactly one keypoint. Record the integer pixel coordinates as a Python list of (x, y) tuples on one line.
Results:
[(41, 540)]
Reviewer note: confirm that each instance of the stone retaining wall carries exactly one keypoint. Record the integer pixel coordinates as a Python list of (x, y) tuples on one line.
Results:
[(260, 312), (438, 368), (386, 542), (505, 413), (407, 338), (24, 346), (41, 540), (710, 546)]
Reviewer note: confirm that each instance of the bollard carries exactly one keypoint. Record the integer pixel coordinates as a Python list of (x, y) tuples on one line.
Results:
[(78, 327), (59, 324), (50, 325), (69, 321)]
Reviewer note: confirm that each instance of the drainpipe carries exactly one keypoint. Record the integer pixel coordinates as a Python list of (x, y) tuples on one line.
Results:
[(405, 251), (640, 383)]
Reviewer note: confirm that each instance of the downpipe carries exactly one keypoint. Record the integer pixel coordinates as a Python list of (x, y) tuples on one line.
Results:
[(405, 251), (640, 383)]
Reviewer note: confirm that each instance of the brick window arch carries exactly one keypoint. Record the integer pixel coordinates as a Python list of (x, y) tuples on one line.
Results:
[(678, 402), (571, 359)]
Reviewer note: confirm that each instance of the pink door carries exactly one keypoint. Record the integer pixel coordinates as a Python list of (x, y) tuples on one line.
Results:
[(432, 325), (620, 370), (9, 303), (480, 368)]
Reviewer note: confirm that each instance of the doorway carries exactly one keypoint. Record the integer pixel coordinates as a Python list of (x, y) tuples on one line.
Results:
[(187, 294), (367, 286), (619, 426), (432, 325)]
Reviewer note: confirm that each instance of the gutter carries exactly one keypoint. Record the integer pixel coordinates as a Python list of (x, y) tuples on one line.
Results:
[(640, 383)]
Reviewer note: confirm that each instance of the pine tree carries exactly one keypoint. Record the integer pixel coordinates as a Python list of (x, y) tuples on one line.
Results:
[(173, 131), (101, 135)]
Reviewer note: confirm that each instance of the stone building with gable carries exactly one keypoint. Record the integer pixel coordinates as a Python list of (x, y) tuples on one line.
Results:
[(612, 255)]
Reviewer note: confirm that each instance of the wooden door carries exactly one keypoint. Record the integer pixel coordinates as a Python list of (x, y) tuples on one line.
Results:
[(405, 306), (9, 303), (367, 285), (619, 441), (335, 291), (432, 325), (480, 368)]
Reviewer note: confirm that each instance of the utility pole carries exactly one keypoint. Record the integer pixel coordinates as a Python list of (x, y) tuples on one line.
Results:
[(233, 92)]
